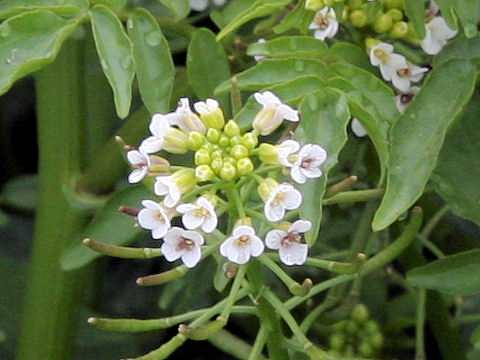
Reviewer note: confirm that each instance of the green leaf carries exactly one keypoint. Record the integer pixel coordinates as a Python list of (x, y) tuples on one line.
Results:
[(352, 54), (417, 136), (109, 226), (30, 41), (467, 12), (460, 47), (258, 9), (325, 117), (116, 56), (292, 19), (446, 8), (207, 65), (9, 8), (179, 8), (153, 62), (457, 274), (475, 338), (274, 71), (458, 169), (229, 12), (291, 92), (415, 11), (111, 4), (21, 192), (288, 46)]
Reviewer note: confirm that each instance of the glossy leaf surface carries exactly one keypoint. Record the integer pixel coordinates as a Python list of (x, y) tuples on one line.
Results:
[(153, 62), (287, 46), (415, 11), (417, 137), (9, 8), (116, 56), (179, 8)]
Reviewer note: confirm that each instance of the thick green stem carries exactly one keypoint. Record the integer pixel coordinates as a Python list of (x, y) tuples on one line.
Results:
[(420, 326), (48, 322), (232, 345)]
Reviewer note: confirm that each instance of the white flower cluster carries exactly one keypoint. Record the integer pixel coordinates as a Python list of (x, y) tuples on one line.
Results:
[(324, 23), (183, 130)]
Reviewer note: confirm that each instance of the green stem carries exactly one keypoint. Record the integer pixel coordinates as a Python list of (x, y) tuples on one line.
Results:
[(354, 196), (234, 346), (420, 326), (234, 196), (259, 343), (50, 304), (122, 251), (237, 282)]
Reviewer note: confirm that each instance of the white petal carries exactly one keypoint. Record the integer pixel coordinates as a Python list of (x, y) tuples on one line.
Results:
[(288, 113), (256, 246), (137, 175), (294, 254), (161, 230), (196, 237), (198, 5), (210, 223), (274, 238), (226, 246), (357, 128), (190, 221), (312, 172), (274, 212), (184, 208), (136, 158), (203, 202), (159, 125), (170, 251), (300, 226), (292, 200), (161, 185), (242, 230), (297, 175), (151, 144), (192, 256)]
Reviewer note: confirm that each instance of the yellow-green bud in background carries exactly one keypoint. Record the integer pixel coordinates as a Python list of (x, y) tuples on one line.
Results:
[(370, 43), (268, 154), (358, 18), (224, 141), (329, 3), (202, 157), (382, 23), (243, 221), (249, 140), (215, 154), (204, 173), (185, 180), (239, 151), (244, 166), (235, 140), (210, 113), (228, 171), (195, 140), (175, 141), (231, 129), (355, 4), (314, 5), (395, 14), (399, 30), (217, 165), (213, 135), (266, 187), (390, 4)]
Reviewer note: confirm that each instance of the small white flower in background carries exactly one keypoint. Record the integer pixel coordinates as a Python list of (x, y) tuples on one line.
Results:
[(307, 164), (185, 118), (357, 128), (283, 197), (242, 245), (210, 113), (200, 5), (158, 127), (382, 55), (324, 23), (402, 78), (272, 113), (260, 57), (185, 244), (290, 250), (154, 217), (402, 100), (437, 33), (141, 163), (173, 186), (285, 149), (205, 107), (201, 214)]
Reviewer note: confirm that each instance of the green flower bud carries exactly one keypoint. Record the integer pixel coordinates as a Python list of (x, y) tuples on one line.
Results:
[(359, 18), (399, 30), (337, 341), (239, 151), (175, 141), (210, 113), (202, 157), (204, 173), (195, 140), (366, 349), (329, 3), (395, 14), (216, 154), (224, 141), (230, 160), (349, 351), (314, 5), (339, 326), (228, 172), (213, 135), (268, 154), (355, 4), (249, 140), (185, 180), (231, 129), (383, 23), (235, 140), (243, 221), (244, 166), (266, 187), (360, 313), (217, 165), (370, 43), (209, 147), (371, 327), (376, 340), (390, 4), (351, 327)]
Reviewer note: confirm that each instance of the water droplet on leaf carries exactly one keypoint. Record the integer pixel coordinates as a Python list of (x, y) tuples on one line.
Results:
[(153, 38), (5, 30), (129, 24), (104, 64), (126, 62)]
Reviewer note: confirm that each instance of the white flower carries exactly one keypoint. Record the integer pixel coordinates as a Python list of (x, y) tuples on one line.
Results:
[(402, 100), (202, 214), (206, 107), (184, 244), (382, 55), (307, 164), (285, 149), (402, 77), (210, 113), (437, 33), (185, 118), (358, 128), (154, 217), (324, 23), (272, 114), (242, 245), (164, 137), (290, 250), (283, 197), (200, 5), (173, 186), (260, 57), (141, 163)]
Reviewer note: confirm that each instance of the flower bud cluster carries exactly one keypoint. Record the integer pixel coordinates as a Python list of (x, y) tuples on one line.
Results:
[(358, 335), (224, 156)]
